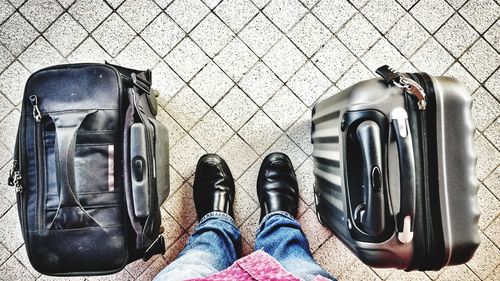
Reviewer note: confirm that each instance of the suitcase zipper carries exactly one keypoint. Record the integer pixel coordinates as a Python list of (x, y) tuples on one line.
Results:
[(39, 150)]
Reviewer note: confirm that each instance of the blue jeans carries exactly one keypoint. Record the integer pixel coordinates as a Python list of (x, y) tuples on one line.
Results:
[(216, 244)]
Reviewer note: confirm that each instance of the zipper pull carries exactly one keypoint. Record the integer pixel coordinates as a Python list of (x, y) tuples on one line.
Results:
[(36, 111), (411, 87), (15, 177)]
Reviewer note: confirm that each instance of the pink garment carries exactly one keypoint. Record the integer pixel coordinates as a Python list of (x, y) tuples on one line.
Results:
[(257, 266)]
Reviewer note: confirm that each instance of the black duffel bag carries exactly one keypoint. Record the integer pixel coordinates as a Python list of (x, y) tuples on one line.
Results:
[(90, 169)]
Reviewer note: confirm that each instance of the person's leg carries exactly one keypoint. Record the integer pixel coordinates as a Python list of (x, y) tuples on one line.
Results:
[(279, 233), (281, 236), (213, 247), (216, 242)]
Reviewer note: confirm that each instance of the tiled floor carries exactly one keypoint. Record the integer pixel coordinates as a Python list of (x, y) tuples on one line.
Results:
[(238, 77)]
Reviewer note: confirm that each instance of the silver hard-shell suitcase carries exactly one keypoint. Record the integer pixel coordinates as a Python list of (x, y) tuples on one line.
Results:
[(394, 170)]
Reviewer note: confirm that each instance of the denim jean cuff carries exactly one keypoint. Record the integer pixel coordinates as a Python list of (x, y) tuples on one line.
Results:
[(272, 214), (218, 215)]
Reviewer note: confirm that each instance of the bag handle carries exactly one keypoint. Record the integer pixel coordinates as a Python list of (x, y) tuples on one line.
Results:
[(67, 124)]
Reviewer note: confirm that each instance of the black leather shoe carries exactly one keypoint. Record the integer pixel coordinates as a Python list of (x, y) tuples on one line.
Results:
[(213, 188), (277, 187)]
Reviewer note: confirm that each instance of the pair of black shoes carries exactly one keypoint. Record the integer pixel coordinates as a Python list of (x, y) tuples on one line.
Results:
[(277, 188)]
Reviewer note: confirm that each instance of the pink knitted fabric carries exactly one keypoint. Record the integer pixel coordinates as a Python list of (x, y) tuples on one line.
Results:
[(256, 266)]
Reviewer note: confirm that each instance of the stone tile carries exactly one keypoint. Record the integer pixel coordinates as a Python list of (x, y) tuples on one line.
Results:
[(284, 59), (485, 109), (211, 132), (184, 156), (120, 276), (248, 179), (7, 10), (493, 133), (285, 145), (186, 59), (381, 53), (180, 205), (4, 254), (480, 13), (22, 257), (173, 251), (10, 234), (16, 34), (260, 83), (41, 13), (432, 13), (238, 155), (187, 13), (137, 267), (175, 131), (456, 35), (481, 60), (114, 3), (236, 108), (12, 269), (458, 72), (493, 231), (6, 125), (493, 84), (309, 34), (358, 35), (309, 3), (90, 13), (358, 271), (333, 59), (113, 34), (6, 58), (489, 206), (401, 275), (260, 34), (186, 108), (138, 13), (300, 132), (153, 269), (488, 157), (166, 81), (65, 27), (172, 229), (12, 82), (492, 182), (495, 275), (88, 51), (244, 205), (260, 132), (383, 272), (305, 178), (456, 4), (211, 3), (236, 13), (162, 34), (138, 55), (432, 58), (5, 106), (284, 108), (485, 259), (309, 83), (334, 256), (493, 35), (54, 278), (316, 233), (405, 30), (358, 72), (5, 154), (248, 228), (342, 10), (285, 13), (40, 54), (212, 35), (382, 14), (236, 59), (211, 83)]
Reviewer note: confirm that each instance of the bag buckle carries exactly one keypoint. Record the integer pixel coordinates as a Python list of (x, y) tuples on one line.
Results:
[(157, 247)]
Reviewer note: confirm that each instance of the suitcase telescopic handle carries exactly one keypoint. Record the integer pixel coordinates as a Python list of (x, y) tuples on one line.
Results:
[(405, 219), (372, 217)]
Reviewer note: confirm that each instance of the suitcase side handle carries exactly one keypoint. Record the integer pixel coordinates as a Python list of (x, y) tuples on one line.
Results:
[(373, 215), (405, 219)]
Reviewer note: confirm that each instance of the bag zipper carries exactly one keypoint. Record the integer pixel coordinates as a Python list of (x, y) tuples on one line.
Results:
[(39, 150)]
